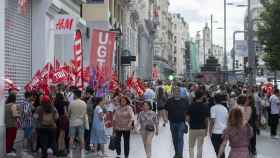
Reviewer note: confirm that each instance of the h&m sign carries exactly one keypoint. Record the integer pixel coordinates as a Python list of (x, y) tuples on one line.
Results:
[(65, 24)]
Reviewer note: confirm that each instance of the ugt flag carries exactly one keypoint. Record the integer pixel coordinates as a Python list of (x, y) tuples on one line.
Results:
[(101, 55)]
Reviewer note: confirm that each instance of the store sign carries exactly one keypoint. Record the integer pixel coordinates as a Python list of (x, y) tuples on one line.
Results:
[(241, 48), (65, 24)]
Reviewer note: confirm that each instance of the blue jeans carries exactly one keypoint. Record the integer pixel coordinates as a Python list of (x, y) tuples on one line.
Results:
[(177, 131)]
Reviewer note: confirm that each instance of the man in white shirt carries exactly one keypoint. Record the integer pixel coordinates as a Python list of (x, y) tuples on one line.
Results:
[(77, 115), (218, 123), (274, 113)]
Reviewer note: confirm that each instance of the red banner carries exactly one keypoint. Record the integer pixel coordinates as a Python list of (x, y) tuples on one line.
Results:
[(155, 73), (103, 43)]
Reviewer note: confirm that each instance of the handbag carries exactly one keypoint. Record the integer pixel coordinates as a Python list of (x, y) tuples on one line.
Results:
[(86, 122), (186, 130), (150, 128), (113, 143)]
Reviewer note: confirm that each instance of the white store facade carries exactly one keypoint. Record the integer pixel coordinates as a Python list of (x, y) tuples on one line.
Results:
[(29, 41)]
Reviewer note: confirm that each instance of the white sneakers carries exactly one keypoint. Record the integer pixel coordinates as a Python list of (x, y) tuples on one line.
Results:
[(83, 153), (70, 155), (275, 137), (12, 154)]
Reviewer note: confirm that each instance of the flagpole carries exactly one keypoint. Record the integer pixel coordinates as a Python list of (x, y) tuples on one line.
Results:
[(82, 62)]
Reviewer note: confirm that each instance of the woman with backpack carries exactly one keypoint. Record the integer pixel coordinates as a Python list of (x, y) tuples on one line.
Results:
[(61, 106), (161, 101), (46, 115)]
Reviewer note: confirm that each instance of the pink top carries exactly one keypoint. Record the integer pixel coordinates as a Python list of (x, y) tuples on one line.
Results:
[(239, 140), (123, 118)]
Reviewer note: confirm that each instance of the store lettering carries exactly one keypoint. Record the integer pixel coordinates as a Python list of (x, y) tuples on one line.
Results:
[(64, 23), (102, 49)]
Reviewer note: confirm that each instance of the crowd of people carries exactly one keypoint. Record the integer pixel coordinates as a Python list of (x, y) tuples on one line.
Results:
[(69, 118)]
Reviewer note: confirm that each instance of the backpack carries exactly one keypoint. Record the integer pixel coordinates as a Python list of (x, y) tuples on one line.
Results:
[(47, 119)]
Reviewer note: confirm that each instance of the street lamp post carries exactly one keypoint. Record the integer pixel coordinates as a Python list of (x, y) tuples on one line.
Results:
[(251, 50), (225, 35), (211, 53)]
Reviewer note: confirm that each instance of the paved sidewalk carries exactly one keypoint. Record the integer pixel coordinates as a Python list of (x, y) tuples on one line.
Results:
[(163, 148)]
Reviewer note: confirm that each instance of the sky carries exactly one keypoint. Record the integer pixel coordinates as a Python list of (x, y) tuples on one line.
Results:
[(197, 13)]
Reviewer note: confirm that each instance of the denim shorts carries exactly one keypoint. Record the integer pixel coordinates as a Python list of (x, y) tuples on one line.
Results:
[(27, 132), (77, 131)]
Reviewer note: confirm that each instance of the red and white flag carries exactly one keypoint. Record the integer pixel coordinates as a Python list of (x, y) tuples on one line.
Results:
[(78, 60), (60, 76), (46, 71), (23, 6), (101, 55), (36, 79)]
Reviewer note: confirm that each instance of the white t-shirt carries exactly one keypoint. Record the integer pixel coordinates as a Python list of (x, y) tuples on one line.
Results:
[(149, 95), (220, 114), (274, 102)]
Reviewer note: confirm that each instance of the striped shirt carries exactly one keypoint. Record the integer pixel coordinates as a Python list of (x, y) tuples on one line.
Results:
[(26, 114)]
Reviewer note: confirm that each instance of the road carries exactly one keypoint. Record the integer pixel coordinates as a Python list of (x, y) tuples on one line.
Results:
[(162, 147)]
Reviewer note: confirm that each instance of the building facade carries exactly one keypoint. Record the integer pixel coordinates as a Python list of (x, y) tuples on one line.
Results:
[(2, 75), (204, 47), (162, 47), (180, 31), (204, 41), (218, 52), (169, 42)]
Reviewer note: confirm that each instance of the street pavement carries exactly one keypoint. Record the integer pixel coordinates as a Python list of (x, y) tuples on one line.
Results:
[(163, 148)]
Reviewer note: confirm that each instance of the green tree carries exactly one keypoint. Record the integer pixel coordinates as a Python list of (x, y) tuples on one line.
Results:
[(269, 33)]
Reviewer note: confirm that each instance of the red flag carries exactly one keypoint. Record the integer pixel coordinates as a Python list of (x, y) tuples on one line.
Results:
[(86, 74), (60, 76), (45, 71), (101, 55), (76, 63), (114, 84), (23, 6), (28, 87), (36, 79), (78, 60), (155, 73), (56, 65)]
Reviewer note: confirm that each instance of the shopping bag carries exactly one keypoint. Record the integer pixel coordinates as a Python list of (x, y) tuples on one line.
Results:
[(86, 122), (113, 143), (208, 148)]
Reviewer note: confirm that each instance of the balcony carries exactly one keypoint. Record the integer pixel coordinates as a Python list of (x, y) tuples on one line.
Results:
[(97, 15)]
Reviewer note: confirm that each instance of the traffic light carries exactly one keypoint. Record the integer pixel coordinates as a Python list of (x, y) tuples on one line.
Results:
[(171, 77)]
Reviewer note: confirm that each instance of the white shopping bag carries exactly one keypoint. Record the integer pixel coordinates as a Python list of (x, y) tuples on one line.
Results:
[(208, 148)]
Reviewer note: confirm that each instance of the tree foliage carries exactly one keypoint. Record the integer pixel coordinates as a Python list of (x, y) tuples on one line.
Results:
[(269, 33)]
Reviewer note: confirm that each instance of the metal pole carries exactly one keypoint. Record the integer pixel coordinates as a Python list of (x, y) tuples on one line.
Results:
[(225, 35), (233, 53), (204, 39), (251, 50), (211, 53)]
